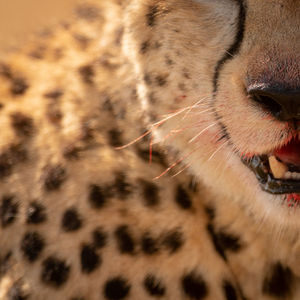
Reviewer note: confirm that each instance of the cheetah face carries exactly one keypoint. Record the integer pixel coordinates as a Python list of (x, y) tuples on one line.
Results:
[(222, 79)]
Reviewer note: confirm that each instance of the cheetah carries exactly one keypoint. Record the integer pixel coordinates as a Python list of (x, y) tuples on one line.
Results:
[(150, 150)]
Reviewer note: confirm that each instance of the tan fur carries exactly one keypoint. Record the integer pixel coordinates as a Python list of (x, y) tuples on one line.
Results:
[(128, 67)]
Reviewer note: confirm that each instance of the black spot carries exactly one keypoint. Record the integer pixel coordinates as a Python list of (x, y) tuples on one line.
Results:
[(71, 221), (186, 73), (107, 105), (38, 53), (18, 86), (87, 12), (223, 241), (149, 244), (8, 210), (228, 241), (32, 245), (55, 272), (119, 33), (82, 40), (53, 113), (157, 157), (54, 177), (5, 71), (86, 132), (151, 15), (169, 61), (148, 81), (116, 288), (35, 213), (214, 237), (173, 240), (71, 152), (161, 80), (124, 240), (9, 158), (5, 263), (115, 138), (194, 286), (87, 73), (182, 198), (153, 286), (145, 46), (17, 292), (278, 281), (122, 187), (22, 124), (99, 238), (54, 94), (17, 153), (229, 291), (89, 259), (150, 192), (97, 196), (210, 211)]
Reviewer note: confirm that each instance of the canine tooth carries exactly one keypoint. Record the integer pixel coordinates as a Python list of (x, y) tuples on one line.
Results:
[(278, 169)]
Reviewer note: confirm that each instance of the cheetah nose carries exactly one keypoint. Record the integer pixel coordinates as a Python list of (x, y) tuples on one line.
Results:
[(282, 104)]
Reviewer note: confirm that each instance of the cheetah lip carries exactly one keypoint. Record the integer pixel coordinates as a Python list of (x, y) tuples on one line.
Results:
[(278, 172)]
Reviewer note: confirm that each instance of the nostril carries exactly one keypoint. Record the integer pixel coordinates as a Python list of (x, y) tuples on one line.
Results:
[(283, 104), (267, 103)]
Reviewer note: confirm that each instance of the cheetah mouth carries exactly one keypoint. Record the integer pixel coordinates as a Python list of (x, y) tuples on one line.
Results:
[(278, 172)]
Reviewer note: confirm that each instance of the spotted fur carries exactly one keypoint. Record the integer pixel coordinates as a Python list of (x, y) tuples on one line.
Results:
[(175, 214)]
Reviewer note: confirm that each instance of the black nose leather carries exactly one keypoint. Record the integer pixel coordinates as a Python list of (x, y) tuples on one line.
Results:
[(283, 105)]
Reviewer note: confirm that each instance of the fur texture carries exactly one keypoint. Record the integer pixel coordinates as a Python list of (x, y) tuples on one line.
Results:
[(82, 217)]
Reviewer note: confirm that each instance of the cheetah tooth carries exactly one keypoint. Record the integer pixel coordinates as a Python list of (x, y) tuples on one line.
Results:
[(292, 175), (278, 168)]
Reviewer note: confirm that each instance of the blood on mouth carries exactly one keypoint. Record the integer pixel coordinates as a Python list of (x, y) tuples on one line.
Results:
[(285, 161)]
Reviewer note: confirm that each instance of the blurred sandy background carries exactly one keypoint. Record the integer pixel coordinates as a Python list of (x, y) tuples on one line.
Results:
[(20, 18)]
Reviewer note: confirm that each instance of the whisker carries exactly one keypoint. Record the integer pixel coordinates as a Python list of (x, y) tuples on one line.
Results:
[(153, 126), (207, 111), (180, 171), (134, 141), (175, 163), (150, 149), (216, 151), (197, 104), (202, 131)]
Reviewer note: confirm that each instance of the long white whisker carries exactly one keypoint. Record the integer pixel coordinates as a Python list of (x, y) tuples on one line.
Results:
[(180, 171), (197, 104), (169, 117), (218, 149), (209, 110), (202, 131)]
